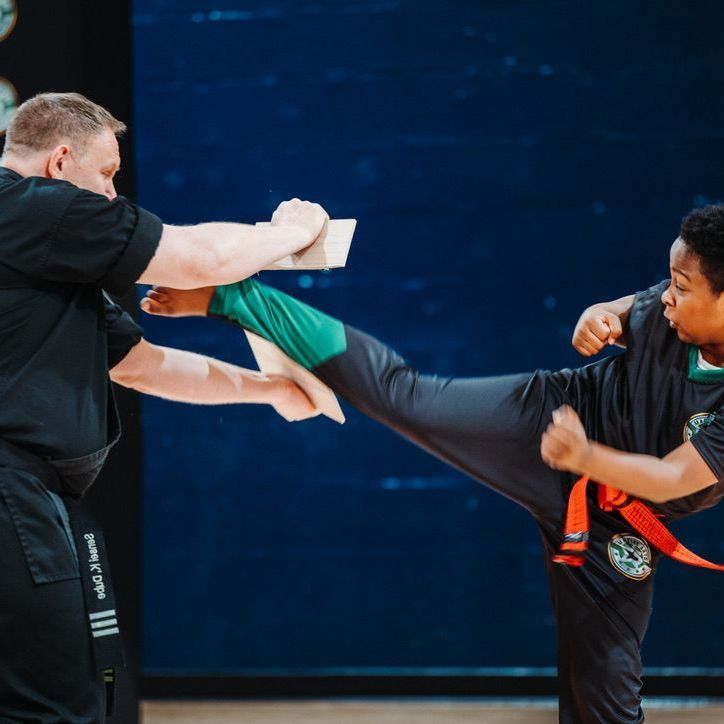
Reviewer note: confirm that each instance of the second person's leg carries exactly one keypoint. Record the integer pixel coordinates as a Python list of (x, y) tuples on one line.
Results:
[(488, 427), (603, 610)]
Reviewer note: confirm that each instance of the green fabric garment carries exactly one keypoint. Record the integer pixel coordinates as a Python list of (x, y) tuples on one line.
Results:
[(308, 336), (700, 375)]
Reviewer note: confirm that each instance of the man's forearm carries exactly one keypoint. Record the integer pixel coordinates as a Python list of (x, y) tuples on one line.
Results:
[(189, 377), (219, 253)]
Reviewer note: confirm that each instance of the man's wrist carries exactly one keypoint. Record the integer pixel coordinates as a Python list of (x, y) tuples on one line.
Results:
[(298, 237), (260, 388), (277, 390)]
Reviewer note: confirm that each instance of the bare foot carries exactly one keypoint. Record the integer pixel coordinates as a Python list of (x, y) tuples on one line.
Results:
[(167, 302)]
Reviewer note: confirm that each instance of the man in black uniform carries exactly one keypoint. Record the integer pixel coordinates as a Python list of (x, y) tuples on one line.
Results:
[(65, 238), (649, 421)]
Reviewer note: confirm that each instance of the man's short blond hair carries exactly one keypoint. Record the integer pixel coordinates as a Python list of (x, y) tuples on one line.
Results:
[(47, 119)]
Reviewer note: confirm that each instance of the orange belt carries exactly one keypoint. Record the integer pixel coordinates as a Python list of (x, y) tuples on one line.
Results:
[(635, 512)]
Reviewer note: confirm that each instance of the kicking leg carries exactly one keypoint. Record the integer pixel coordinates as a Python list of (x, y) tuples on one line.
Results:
[(488, 427)]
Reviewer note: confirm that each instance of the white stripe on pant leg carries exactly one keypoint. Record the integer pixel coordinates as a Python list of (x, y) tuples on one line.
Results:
[(102, 614), (104, 623), (105, 632)]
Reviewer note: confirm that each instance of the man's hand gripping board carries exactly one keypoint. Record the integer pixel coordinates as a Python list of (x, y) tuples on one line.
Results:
[(272, 361), (329, 251)]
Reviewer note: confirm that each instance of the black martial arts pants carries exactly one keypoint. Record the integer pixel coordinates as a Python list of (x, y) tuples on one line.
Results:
[(47, 671)]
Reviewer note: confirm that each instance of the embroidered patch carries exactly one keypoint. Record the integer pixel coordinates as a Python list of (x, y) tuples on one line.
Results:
[(630, 555), (696, 422)]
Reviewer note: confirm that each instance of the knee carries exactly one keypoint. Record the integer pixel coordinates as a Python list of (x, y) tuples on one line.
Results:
[(402, 399)]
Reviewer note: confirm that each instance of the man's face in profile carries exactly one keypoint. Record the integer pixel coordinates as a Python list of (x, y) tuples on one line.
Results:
[(94, 167)]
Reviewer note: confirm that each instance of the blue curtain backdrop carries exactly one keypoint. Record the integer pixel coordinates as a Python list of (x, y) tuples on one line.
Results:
[(509, 163)]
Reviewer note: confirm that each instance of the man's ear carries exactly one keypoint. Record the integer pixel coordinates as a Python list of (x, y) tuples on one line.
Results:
[(57, 161)]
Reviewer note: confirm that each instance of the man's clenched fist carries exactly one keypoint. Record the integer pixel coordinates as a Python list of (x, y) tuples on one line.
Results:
[(311, 219)]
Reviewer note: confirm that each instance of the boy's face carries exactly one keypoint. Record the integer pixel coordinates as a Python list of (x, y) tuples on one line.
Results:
[(692, 308)]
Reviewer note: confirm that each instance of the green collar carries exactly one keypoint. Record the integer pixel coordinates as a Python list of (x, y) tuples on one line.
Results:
[(696, 374)]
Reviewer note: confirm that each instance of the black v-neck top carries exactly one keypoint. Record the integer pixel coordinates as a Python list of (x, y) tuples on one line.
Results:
[(60, 247), (653, 398)]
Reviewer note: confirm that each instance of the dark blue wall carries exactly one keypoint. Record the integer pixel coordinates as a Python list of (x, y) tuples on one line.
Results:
[(509, 163)]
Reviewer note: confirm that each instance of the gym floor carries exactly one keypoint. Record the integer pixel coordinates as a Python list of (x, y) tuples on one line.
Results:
[(541, 711)]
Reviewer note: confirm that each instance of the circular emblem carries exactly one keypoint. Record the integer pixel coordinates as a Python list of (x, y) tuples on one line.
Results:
[(8, 103), (696, 422), (630, 555), (8, 17)]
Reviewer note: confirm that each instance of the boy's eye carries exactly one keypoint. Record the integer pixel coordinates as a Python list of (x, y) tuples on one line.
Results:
[(680, 288)]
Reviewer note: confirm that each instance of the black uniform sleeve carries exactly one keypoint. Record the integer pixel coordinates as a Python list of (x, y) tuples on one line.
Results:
[(63, 233), (709, 443), (647, 323), (123, 331)]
